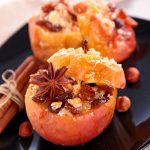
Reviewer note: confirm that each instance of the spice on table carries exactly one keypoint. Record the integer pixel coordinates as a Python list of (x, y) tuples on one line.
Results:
[(10, 108)]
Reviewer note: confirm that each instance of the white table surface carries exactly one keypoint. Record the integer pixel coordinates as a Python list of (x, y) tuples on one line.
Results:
[(15, 13)]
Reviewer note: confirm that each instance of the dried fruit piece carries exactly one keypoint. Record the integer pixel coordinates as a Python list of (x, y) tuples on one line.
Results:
[(80, 8), (85, 45), (76, 88), (108, 92), (48, 7), (54, 106), (72, 109), (62, 97), (48, 25), (86, 92), (40, 99), (111, 7), (118, 23)]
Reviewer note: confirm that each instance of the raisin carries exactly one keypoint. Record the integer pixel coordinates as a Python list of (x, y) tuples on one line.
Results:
[(85, 45), (106, 88), (48, 25), (48, 7), (118, 23), (72, 109), (62, 97), (86, 92)]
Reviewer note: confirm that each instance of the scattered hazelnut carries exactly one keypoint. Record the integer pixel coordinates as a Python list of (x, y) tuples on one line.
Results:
[(25, 129), (132, 74), (123, 103)]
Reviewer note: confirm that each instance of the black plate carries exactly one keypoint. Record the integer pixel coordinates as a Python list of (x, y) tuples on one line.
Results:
[(130, 130)]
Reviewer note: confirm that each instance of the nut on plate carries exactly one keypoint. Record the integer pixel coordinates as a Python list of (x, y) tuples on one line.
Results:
[(25, 129), (132, 74), (123, 103)]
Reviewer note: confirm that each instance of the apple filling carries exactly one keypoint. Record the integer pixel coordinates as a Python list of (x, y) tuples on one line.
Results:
[(58, 17), (80, 98), (77, 98), (65, 95)]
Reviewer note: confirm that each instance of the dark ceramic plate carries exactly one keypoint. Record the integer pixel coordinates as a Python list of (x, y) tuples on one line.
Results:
[(130, 130)]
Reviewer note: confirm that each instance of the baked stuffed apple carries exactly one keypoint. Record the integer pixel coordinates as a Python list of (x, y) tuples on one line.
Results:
[(63, 24), (73, 100)]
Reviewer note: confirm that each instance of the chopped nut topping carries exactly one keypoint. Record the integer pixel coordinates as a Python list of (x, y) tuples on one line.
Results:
[(99, 94), (56, 105), (75, 102), (86, 106), (64, 111), (76, 88)]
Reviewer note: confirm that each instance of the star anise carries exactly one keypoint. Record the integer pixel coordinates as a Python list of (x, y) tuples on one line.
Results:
[(50, 83)]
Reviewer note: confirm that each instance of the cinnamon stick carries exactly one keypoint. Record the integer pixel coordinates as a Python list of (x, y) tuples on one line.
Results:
[(18, 71), (24, 89), (12, 108), (10, 113)]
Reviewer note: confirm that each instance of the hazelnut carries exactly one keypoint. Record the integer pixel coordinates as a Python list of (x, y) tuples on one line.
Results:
[(25, 129), (132, 74), (123, 103)]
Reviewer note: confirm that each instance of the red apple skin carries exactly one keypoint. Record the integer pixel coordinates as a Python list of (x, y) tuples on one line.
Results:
[(69, 130)]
